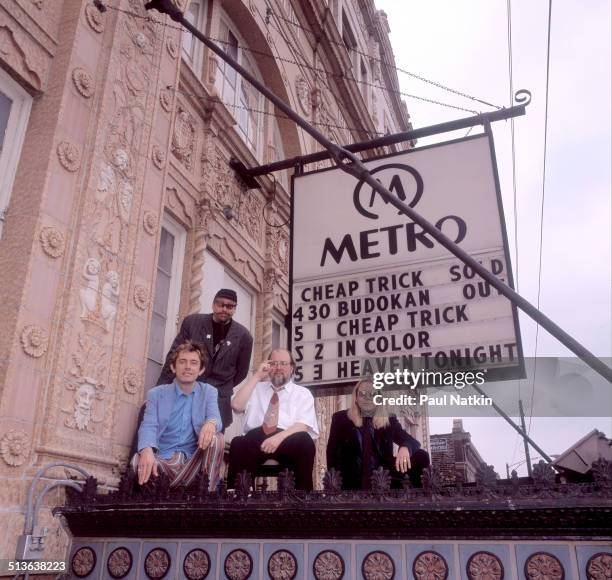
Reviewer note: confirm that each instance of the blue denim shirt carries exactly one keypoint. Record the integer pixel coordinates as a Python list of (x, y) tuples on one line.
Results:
[(179, 434)]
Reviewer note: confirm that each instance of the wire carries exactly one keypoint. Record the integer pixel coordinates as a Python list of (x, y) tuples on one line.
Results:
[(535, 360), (390, 66), (307, 66)]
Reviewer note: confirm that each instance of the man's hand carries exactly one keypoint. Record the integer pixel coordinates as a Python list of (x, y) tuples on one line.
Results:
[(146, 465), (263, 371), (402, 461), (270, 445), (206, 434)]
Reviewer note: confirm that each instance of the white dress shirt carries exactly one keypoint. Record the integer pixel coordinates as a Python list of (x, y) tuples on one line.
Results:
[(296, 405)]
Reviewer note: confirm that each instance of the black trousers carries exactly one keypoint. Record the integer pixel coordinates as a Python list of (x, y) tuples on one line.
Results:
[(419, 460), (296, 453)]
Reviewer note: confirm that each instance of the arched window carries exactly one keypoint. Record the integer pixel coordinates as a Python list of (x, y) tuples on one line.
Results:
[(244, 102)]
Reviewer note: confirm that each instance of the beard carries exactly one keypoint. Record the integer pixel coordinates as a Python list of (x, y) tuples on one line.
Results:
[(278, 380)]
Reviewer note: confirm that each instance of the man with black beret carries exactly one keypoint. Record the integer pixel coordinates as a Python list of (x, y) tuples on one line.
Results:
[(227, 343)]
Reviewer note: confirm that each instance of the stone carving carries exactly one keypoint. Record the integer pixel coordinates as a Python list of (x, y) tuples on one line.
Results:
[(89, 294), (183, 138), (150, 223), (543, 473), (83, 562), (131, 380), (141, 297), (238, 565), (69, 156), (251, 216), (157, 563), (172, 47), (34, 340), (38, 4), (328, 565), (282, 565), (113, 203), (19, 53), (83, 82), (158, 156), (52, 242), (119, 563), (543, 566), (304, 97), (110, 298), (484, 566), (430, 565), (165, 100), (15, 447), (94, 18), (378, 565), (85, 395), (599, 567), (332, 481), (196, 564)]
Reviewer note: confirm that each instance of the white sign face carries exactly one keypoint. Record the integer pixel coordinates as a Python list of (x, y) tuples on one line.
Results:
[(438, 445), (371, 291)]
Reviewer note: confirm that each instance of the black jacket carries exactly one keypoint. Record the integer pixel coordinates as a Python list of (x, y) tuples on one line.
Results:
[(344, 447), (229, 368)]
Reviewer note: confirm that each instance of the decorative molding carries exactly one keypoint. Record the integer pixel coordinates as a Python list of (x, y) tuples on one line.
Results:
[(83, 82), (157, 563), (238, 565), (282, 565), (83, 562), (52, 242), (141, 297), (165, 100), (172, 47), (544, 566), (378, 565), (34, 340), (430, 565), (184, 138), (328, 565), (95, 18), (150, 222), (484, 566), (304, 95), (119, 563), (159, 156), (69, 156), (196, 565), (132, 380), (15, 447), (20, 53)]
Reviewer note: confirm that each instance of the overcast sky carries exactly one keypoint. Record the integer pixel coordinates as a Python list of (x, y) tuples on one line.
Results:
[(464, 45)]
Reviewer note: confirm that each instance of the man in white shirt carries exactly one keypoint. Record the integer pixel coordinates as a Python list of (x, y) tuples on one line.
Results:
[(280, 422)]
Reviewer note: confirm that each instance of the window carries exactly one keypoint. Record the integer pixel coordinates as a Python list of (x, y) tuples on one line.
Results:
[(164, 320), (192, 47), (348, 37), (15, 105), (244, 102), (279, 332)]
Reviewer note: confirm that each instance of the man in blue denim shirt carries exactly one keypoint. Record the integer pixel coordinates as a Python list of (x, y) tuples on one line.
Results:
[(179, 433)]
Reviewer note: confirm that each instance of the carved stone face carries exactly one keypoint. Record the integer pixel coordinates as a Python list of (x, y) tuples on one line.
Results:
[(84, 397), (112, 277), (92, 267)]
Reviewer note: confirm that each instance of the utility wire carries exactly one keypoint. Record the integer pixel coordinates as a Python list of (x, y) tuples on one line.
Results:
[(390, 66), (307, 66), (535, 360)]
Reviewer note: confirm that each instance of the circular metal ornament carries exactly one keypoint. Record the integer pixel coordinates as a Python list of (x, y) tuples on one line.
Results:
[(378, 565), (484, 566), (83, 562), (196, 564), (328, 565), (238, 565), (282, 565), (119, 563)]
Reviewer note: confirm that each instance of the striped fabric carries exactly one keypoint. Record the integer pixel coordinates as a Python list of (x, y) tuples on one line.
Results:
[(181, 471)]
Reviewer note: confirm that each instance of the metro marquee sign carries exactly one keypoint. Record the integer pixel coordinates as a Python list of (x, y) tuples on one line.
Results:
[(369, 288)]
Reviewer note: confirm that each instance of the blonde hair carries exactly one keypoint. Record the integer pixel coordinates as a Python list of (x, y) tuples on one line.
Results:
[(380, 420)]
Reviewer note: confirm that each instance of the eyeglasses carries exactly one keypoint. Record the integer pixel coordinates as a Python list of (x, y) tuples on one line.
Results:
[(366, 394), (279, 363), (225, 305)]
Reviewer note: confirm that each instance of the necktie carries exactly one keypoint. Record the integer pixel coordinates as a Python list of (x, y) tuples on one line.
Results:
[(270, 421), (366, 459)]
